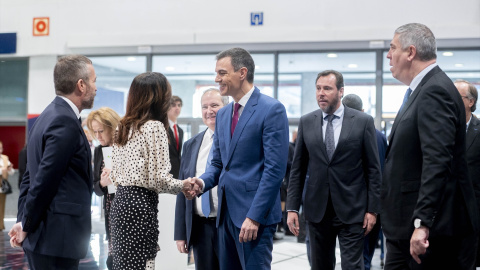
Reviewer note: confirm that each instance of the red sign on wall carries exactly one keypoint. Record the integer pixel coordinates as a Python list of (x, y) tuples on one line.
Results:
[(41, 26)]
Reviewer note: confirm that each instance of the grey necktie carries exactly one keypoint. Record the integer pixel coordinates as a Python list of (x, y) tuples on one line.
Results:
[(329, 137)]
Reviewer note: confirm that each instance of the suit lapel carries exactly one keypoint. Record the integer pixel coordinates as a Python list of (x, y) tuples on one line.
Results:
[(196, 144), (410, 101), (472, 132), (347, 124), (247, 113), (227, 118)]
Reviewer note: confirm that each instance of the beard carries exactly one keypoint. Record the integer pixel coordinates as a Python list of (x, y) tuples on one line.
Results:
[(332, 106), (87, 103)]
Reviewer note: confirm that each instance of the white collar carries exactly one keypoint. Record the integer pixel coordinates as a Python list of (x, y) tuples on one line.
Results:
[(243, 101), (416, 81), (74, 108), (339, 112)]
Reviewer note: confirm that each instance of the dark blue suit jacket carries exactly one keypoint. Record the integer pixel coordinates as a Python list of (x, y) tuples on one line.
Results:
[(184, 208), (249, 167), (55, 195)]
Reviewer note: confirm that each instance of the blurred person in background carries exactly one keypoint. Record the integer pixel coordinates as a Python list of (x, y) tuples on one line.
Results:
[(175, 134), (102, 124), (6, 168)]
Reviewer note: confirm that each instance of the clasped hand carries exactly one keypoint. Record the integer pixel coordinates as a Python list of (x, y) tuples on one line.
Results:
[(17, 235), (192, 187)]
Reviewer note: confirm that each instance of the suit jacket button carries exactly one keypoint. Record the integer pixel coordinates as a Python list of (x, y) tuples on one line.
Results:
[(226, 169)]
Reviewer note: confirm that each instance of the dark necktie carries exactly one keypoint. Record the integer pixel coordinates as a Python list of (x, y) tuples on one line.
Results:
[(405, 98), (206, 197), (176, 135), (235, 117), (329, 136)]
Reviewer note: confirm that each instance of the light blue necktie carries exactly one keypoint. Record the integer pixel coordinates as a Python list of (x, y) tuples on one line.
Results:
[(405, 98), (206, 196)]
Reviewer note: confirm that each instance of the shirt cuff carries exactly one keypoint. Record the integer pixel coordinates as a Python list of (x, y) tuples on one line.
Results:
[(203, 184)]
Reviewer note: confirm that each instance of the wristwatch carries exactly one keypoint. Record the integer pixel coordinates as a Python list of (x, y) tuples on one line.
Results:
[(417, 223)]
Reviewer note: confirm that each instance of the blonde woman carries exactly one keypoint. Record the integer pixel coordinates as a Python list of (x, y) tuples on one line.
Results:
[(101, 124)]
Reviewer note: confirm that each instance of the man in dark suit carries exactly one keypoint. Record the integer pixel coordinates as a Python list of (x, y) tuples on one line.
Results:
[(195, 219), (175, 134), (54, 223), (469, 95), (370, 241), (338, 147), (250, 149), (428, 202)]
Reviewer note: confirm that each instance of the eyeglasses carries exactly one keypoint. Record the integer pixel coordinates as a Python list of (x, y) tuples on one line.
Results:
[(465, 97)]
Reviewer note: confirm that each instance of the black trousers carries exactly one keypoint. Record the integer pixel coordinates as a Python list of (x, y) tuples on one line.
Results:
[(41, 262), (323, 240), (204, 241), (442, 253)]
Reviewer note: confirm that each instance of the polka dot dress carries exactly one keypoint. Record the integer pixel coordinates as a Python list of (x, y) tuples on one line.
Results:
[(140, 170), (134, 227)]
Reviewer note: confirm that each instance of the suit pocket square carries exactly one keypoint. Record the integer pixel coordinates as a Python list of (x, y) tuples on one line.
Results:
[(66, 208)]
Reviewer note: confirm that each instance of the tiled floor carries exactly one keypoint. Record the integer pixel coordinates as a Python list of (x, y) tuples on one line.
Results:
[(287, 254)]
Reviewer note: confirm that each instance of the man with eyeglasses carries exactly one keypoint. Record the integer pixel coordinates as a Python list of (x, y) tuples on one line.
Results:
[(469, 94)]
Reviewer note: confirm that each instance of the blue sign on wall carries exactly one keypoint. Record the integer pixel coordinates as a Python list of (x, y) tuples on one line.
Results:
[(256, 18), (8, 43)]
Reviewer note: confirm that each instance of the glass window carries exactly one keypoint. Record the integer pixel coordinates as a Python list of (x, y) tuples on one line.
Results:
[(13, 89), (464, 64), (298, 72), (114, 77), (190, 75)]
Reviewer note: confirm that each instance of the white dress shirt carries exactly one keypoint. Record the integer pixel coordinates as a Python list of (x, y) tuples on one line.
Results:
[(336, 123), (207, 143), (416, 81), (243, 101)]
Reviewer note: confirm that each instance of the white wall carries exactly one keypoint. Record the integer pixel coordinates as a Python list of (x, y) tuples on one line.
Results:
[(105, 23), (77, 26), (41, 90)]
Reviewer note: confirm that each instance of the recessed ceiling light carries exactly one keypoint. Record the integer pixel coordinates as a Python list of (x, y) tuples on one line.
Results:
[(459, 65), (352, 66), (257, 67), (447, 54), (332, 55), (131, 59), (169, 68)]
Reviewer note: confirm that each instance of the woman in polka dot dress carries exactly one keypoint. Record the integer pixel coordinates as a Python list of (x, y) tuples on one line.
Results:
[(140, 171)]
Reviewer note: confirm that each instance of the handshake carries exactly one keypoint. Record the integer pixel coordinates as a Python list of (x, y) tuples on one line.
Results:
[(192, 187)]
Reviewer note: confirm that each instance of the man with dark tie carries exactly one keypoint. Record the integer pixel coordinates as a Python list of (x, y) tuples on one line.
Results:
[(469, 95), (250, 150), (195, 219), (338, 148), (175, 135), (54, 218), (428, 202)]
